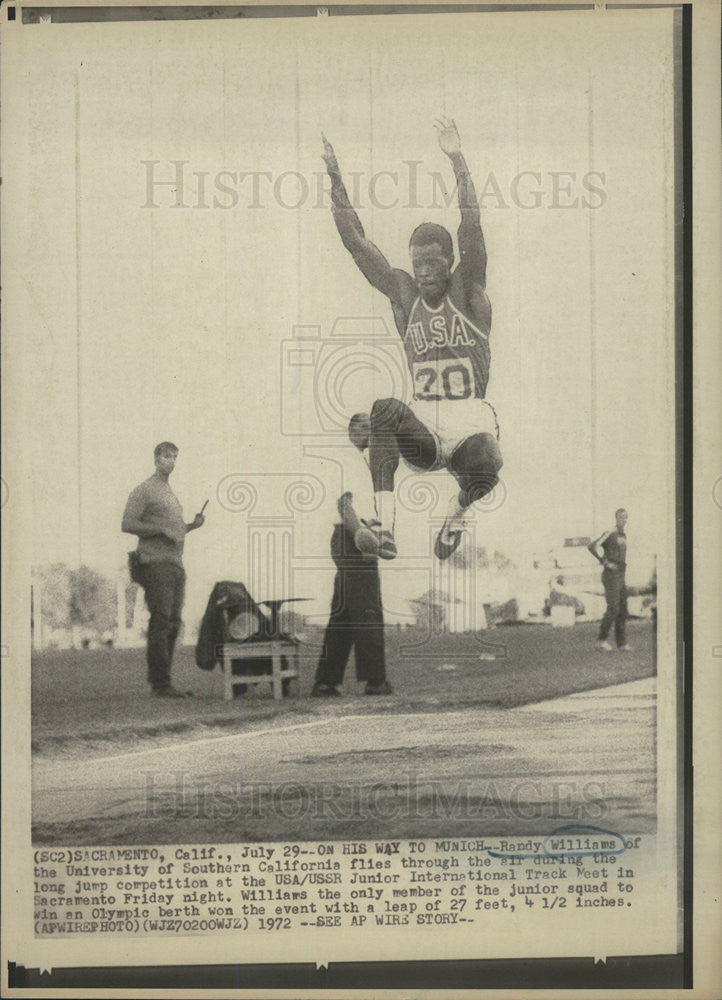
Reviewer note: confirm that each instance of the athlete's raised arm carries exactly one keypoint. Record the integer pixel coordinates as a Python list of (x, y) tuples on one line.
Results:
[(369, 259), (472, 249)]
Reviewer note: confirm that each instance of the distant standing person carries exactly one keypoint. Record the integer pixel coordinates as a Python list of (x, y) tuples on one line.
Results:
[(613, 558), (154, 514), (357, 618)]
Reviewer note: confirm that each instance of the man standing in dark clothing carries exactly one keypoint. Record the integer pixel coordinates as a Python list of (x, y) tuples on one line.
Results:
[(154, 514), (357, 618), (614, 560)]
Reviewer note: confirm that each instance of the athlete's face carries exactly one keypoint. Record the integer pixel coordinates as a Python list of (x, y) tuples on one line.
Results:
[(359, 433), (431, 271), (621, 519)]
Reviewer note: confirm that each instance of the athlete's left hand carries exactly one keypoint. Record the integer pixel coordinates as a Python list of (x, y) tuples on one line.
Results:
[(448, 135)]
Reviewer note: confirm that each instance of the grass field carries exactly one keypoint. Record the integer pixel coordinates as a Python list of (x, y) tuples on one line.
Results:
[(92, 699)]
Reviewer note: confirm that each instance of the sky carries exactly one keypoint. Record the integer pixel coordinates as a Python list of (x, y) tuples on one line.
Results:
[(178, 276)]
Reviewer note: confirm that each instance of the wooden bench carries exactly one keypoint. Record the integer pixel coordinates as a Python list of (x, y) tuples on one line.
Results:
[(257, 637), (275, 650)]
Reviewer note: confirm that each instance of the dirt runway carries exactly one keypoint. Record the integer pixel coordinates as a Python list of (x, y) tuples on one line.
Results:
[(587, 758)]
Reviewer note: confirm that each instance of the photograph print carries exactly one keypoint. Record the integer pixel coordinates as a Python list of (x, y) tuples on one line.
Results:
[(344, 351)]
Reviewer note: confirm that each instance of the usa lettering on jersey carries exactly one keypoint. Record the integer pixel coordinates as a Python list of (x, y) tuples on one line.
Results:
[(440, 335), (448, 355)]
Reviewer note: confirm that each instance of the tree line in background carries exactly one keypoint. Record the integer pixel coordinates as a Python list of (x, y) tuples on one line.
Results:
[(78, 598), (84, 602)]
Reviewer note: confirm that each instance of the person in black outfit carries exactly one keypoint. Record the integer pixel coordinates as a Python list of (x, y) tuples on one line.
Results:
[(356, 618), (614, 560)]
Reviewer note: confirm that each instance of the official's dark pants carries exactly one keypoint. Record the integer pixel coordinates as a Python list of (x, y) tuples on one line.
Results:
[(615, 591), (357, 618), (164, 585)]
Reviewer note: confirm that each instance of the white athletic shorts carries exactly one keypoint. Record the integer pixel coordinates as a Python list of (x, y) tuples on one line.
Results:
[(452, 421)]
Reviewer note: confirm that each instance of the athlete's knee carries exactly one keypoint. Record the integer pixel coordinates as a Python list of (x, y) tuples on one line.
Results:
[(386, 415), (478, 454), (490, 454)]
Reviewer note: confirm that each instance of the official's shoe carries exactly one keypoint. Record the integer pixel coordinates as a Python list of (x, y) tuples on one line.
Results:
[(383, 688), (170, 692), (324, 691), (605, 646), (626, 648)]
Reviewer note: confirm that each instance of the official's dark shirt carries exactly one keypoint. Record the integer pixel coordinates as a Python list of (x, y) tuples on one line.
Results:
[(345, 554), (615, 548)]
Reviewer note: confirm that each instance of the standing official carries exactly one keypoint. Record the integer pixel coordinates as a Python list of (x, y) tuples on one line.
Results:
[(154, 514), (357, 618), (613, 558)]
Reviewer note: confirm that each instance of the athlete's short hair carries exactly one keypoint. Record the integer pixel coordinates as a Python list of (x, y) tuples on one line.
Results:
[(431, 232), (357, 419), (164, 447), (620, 510), (359, 428)]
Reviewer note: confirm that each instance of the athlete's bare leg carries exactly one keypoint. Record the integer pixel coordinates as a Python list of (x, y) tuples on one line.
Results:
[(475, 464), (395, 433)]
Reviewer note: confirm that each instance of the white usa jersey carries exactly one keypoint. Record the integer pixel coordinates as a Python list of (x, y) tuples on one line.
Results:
[(448, 355)]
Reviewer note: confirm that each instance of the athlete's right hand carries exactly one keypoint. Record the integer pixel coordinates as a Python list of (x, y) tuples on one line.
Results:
[(329, 156)]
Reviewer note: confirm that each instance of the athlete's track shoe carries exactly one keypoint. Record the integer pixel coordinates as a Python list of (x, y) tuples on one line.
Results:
[(373, 541), (387, 545), (449, 538)]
